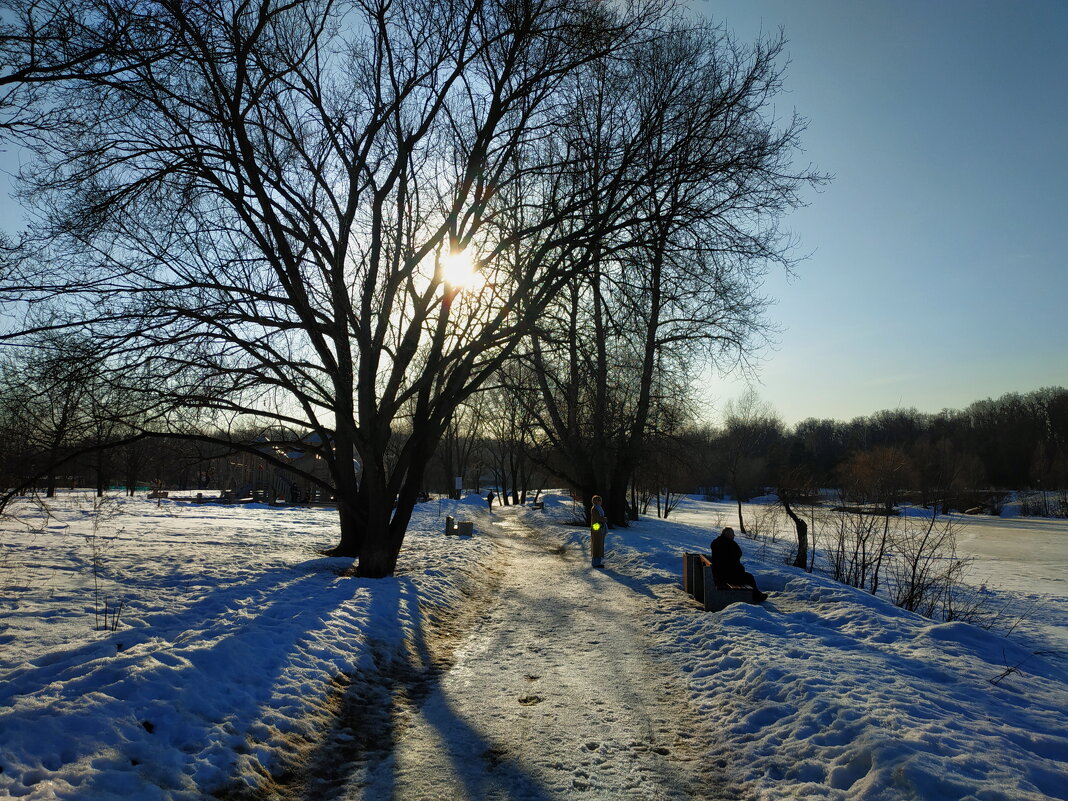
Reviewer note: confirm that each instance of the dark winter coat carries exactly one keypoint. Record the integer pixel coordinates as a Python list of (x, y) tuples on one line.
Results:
[(727, 561)]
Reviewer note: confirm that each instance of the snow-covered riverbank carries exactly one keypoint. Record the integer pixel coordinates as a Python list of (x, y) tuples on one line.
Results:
[(232, 632)]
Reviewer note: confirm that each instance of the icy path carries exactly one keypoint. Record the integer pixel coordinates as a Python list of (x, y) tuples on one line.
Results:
[(553, 696)]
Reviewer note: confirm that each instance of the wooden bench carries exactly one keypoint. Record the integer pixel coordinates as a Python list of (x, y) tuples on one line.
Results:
[(463, 528), (693, 575), (717, 599), (697, 581)]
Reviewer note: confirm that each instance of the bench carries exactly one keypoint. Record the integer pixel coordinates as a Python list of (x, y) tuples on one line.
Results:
[(693, 578), (464, 528), (697, 581)]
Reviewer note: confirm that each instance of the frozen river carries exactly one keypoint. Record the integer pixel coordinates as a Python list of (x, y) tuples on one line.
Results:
[(1028, 557), (1021, 554)]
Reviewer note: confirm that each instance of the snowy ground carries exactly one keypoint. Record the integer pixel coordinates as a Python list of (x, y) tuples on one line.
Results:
[(1027, 560), (1019, 565), (242, 659), (557, 696)]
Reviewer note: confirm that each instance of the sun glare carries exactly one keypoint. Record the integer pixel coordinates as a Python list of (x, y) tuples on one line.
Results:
[(459, 270)]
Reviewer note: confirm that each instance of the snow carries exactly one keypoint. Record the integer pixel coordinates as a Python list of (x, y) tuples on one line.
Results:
[(557, 694), (236, 645)]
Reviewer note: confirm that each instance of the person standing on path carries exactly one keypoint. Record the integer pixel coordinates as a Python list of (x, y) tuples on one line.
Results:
[(598, 528), (489, 499)]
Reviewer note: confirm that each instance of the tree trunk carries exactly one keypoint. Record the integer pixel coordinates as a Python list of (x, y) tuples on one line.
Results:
[(385, 507), (616, 508), (801, 560), (379, 548), (741, 520), (353, 509), (384, 536)]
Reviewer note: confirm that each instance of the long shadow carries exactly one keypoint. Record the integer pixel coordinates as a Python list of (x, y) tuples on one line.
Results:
[(631, 692), (68, 664), (495, 772), (672, 781), (642, 585), (372, 708), (191, 701)]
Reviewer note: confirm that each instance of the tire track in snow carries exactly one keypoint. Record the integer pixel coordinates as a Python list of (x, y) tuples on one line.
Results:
[(554, 695)]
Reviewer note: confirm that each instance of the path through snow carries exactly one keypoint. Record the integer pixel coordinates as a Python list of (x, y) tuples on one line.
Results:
[(554, 695)]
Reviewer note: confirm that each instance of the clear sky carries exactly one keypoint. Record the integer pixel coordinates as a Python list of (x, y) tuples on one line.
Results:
[(938, 272)]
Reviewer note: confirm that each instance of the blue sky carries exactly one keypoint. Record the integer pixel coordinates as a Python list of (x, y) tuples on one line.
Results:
[(938, 272)]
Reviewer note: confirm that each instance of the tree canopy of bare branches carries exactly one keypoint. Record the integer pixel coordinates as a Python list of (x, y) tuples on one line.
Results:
[(682, 150), (259, 202)]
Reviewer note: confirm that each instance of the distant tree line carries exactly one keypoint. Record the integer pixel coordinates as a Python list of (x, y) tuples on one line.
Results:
[(954, 458), (62, 421)]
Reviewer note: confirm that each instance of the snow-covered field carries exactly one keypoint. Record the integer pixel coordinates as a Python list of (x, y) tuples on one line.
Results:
[(232, 633), (1020, 564)]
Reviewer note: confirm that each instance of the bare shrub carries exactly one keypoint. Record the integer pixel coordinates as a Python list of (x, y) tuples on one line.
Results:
[(995, 501), (1045, 503), (106, 610), (927, 576), (719, 520), (857, 546), (23, 520), (1034, 504), (765, 528), (912, 561)]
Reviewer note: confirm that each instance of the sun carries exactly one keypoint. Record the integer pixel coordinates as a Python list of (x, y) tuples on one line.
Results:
[(459, 270)]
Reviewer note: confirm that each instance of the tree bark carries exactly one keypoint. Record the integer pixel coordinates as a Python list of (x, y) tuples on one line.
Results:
[(801, 559), (741, 520)]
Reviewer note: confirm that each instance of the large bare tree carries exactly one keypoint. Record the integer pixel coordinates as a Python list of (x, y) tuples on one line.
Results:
[(751, 439), (260, 201)]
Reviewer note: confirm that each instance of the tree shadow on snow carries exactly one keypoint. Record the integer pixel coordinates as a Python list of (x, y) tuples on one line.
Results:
[(400, 678), (188, 682)]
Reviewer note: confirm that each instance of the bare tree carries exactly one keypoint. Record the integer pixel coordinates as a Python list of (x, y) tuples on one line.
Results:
[(878, 476), (664, 474), (685, 120), (507, 427), (459, 444), (17, 451), (47, 387), (926, 576), (751, 434), (794, 488), (262, 200), (49, 41)]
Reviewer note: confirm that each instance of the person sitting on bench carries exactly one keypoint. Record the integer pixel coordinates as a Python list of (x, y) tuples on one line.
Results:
[(727, 569)]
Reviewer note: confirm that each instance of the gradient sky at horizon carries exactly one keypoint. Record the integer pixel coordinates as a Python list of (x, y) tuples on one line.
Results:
[(938, 272)]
